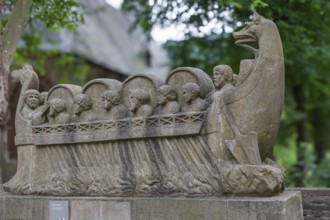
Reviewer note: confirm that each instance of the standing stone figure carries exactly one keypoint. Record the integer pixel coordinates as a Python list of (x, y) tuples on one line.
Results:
[(57, 112), (167, 100), (139, 103), (221, 127), (191, 98), (83, 109), (31, 106), (113, 109)]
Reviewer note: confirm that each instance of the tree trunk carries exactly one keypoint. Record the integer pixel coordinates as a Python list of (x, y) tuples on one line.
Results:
[(3, 110), (9, 37), (2, 140), (300, 167), (321, 128), (2, 102)]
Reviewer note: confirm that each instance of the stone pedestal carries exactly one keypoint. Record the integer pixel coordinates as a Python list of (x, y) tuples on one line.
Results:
[(287, 206)]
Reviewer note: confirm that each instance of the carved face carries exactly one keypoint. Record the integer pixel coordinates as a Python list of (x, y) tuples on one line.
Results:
[(218, 77), (32, 100), (161, 98), (187, 95), (134, 103), (77, 108), (107, 104), (56, 106)]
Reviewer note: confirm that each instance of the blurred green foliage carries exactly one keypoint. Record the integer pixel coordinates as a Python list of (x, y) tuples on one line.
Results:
[(303, 144), (68, 68), (57, 14), (52, 15)]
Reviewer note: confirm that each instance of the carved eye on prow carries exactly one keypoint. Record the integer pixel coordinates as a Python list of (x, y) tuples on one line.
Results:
[(248, 24)]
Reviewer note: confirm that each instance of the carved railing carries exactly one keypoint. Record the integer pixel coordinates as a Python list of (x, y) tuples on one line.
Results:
[(129, 128)]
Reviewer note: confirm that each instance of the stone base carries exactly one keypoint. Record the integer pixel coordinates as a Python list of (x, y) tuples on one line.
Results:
[(286, 206)]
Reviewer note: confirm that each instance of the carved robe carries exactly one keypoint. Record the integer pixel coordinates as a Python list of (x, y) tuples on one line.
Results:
[(218, 126)]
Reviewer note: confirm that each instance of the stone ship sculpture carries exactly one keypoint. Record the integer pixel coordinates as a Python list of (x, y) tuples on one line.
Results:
[(186, 136)]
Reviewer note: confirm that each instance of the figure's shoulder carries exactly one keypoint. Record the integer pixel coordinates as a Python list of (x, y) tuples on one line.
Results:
[(228, 87), (88, 116), (175, 107), (122, 107), (146, 110), (66, 117), (121, 111), (201, 104)]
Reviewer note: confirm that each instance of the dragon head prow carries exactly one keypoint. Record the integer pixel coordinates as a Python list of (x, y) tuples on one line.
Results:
[(250, 33)]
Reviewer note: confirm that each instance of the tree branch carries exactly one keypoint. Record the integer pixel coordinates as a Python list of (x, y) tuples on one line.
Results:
[(13, 30)]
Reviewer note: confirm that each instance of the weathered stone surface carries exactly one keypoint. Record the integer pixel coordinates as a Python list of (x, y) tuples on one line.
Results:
[(116, 210), (28, 208), (85, 210), (154, 209), (286, 206), (109, 138), (316, 202)]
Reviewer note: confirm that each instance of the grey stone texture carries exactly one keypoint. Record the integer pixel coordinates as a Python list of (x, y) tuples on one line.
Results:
[(286, 206), (218, 144), (316, 203)]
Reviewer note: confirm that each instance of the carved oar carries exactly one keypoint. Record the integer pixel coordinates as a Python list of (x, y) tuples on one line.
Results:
[(244, 147)]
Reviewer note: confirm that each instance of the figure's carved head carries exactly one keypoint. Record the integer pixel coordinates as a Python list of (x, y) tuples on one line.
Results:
[(110, 98), (43, 97), (166, 93), (32, 98), (82, 102), (137, 98), (190, 92), (56, 106), (222, 74)]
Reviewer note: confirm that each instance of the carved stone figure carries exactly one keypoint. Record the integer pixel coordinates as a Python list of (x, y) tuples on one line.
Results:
[(31, 106), (223, 78), (57, 112), (34, 109), (83, 109), (215, 148), (113, 109), (167, 100), (43, 98), (191, 98), (139, 101)]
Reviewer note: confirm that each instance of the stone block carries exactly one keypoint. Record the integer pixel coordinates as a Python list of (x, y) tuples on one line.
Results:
[(116, 210), (238, 210), (28, 208), (86, 209), (316, 202), (155, 208), (286, 206), (192, 209), (216, 209)]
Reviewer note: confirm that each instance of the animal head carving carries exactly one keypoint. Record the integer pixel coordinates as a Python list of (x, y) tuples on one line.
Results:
[(250, 33), (260, 30)]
